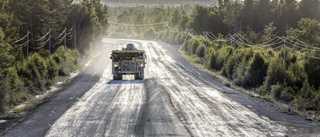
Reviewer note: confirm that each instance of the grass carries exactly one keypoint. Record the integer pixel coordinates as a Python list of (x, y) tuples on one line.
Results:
[(194, 59)]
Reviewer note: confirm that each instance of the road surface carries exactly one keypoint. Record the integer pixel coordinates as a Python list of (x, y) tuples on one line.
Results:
[(174, 99)]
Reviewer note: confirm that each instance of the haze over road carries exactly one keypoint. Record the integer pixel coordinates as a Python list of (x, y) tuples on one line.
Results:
[(174, 99)]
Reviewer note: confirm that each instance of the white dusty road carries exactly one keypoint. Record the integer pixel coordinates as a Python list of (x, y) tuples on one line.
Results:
[(175, 99)]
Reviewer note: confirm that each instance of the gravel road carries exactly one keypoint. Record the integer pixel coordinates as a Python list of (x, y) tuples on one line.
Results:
[(174, 99)]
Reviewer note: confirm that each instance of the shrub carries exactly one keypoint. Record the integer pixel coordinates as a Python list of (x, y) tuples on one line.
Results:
[(200, 50), (282, 92), (193, 46), (233, 61), (299, 103), (308, 94), (257, 70), (52, 69), (297, 74), (194, 59), (212, 60), (276, 73), (36, 81), (13, 78), (40, 64), (222, 57), (229, 67), (312, 69), (66, 61), (239, 71), (317, 101), (4, 90)]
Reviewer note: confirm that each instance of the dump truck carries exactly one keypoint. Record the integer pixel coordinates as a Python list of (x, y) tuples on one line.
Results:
[(128, 61)]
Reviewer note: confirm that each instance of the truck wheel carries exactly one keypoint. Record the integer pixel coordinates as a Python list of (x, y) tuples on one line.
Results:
[(115, 76), (142, 76), (142, 73), (120, 76)]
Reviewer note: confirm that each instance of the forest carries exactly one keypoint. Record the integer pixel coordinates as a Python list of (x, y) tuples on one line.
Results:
[(41, 40), (267, 47)]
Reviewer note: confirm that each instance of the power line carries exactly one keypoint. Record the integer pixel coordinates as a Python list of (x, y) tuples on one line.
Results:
[(141, 25), (43, 37), (25, 36)]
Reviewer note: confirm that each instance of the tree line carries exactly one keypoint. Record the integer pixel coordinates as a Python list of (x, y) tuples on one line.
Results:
[(20, 79), (250, 16)]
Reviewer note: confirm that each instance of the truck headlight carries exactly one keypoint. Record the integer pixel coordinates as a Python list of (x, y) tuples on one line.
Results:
[(141, 65)]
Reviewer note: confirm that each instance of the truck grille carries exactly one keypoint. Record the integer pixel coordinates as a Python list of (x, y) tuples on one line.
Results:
[(128, 66)]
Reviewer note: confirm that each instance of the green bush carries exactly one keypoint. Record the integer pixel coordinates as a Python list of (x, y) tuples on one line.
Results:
[(52, 69), (306, 98), (232, 62), (4, 90), (297, 74), (222, 57), (13, 78), (282, 92), (312, 69), (67, 61), (193, 46), (317, 101), (239, 72), (40, 64), (228, 69), (212, 60), (276, 73), (36, 81), (201, 50), (257, 70), (308, 93), (195, 59)]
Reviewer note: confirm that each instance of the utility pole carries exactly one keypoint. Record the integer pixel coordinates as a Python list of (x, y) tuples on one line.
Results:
[(65, 39), (205, 33), (188, 38), (233, 42), (28, 32), (265, 33), (177, 37), (49, 43), (74, 35), (240, 25), (284, 49)]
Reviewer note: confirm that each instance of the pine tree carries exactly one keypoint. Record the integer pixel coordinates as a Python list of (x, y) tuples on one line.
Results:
[(247, 14), (309, 9), (291, 13), (263, 13), (176, 17), (4, 90), (5, 57), (199, 19), (6, 22)]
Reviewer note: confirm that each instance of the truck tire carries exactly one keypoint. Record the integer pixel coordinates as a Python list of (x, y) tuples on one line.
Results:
[(141, 73), (136, 76), (115, 74), (120, 76)]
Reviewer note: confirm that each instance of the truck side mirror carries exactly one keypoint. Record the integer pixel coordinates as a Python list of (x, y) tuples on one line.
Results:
[(110, 57)]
